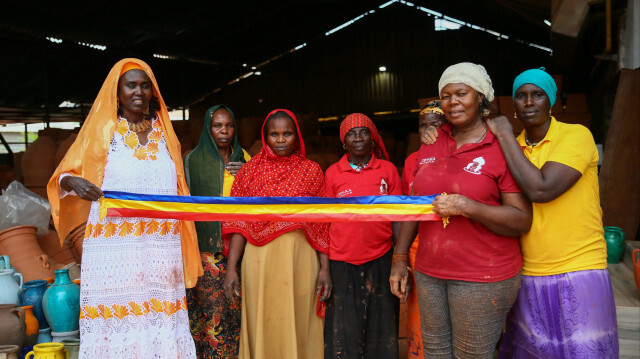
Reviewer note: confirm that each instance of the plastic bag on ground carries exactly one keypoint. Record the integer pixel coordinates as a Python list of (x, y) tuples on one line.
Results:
[(19, 207)]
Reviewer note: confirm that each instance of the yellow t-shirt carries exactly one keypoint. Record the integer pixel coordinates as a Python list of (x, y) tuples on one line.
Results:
[(228, 178), (566, 234)]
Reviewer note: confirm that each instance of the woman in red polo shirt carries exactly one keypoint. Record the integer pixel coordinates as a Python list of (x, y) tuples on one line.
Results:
[(467, 274), (362, 315)]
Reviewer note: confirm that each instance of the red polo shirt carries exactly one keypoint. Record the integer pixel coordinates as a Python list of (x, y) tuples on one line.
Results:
[(361, 242), (465, 250)]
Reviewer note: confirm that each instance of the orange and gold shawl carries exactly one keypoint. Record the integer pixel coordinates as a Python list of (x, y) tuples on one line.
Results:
[(87, 158)]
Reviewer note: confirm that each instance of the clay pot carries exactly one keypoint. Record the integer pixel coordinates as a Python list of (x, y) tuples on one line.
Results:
[(48, 351), (5, 261), (74, 241), (74, 271), (248, 130), (32, 326), (635, 257), (9, 351), (50, 244), (61, 303), (73, 347), (61, 337), (12, 325), (63, 148), (38, 161), (9, 289), (21, 244), (614, 236), (44, 336), (31, 295)]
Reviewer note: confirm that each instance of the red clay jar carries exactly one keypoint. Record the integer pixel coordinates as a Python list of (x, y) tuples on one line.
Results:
[(21, 245)]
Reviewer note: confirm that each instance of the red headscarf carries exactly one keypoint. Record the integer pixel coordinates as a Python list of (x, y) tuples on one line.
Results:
[(359, 120), (268, 175)]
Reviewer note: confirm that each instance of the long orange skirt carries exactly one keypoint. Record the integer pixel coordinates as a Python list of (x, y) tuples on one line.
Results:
[(414, 335)]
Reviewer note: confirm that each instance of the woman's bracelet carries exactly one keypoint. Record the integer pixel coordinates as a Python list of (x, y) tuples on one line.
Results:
[(399, 258)]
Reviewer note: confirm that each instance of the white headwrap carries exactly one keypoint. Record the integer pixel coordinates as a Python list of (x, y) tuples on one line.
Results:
[(469, 74)]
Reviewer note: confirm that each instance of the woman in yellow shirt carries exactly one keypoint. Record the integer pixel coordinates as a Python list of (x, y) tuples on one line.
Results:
[(565, 307)]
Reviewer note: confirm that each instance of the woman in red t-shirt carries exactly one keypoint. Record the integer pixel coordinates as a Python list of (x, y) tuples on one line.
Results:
[(467, 274), (362, 315)]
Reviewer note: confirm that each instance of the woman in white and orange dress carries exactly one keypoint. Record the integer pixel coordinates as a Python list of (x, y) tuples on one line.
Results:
[(134, 270)]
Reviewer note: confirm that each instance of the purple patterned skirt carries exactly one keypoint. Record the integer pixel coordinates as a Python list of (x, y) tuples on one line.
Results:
[(569, 315)]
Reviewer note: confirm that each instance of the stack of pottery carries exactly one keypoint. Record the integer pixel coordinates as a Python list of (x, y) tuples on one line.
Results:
[(61, 304), (31, 294), (12, 325), (21, 244), (32, 327), (8, 287), (614, 236)]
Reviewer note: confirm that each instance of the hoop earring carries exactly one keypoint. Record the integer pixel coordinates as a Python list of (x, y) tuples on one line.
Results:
[(515, 115), (344, 146)]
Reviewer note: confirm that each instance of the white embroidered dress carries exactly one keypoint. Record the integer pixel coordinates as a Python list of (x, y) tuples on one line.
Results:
[(132, 295)]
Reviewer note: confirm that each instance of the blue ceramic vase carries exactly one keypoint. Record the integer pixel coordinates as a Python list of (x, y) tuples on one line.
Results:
[(31, 294), (61, 303), (44, 336)]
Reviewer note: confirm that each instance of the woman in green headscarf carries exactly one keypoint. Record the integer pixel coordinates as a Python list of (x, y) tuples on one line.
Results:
[(210, 169)]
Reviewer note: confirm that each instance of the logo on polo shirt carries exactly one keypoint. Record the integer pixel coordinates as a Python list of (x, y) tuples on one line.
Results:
[(383, 187), (344, 193), (427, 160), (475, 166)]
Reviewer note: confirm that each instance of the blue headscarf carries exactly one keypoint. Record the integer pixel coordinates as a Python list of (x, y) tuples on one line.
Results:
[(540, 78)]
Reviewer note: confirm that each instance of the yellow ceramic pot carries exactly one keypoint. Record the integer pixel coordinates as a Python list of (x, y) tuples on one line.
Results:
[(48, 351)]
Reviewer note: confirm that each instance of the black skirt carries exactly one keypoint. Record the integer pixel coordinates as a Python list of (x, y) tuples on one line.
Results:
[(362, 314)]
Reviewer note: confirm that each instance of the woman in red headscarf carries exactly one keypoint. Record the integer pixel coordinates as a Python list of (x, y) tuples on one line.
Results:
[(285, 268), (362, 314)]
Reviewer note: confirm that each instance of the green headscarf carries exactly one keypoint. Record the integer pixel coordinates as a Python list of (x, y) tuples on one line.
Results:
[(204, 171)]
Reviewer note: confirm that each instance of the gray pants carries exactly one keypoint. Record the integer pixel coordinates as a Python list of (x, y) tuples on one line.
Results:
[(462, 319)]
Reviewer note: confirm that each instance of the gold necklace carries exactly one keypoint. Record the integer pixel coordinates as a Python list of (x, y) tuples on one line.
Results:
[(140, 127)]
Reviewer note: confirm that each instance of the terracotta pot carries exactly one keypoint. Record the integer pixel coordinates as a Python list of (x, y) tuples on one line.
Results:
[(9, 351), (12, 325), (33, 327), (50, 244), (38, 161), (74, 241), (63, 148), (635, 256), (21, 244)]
